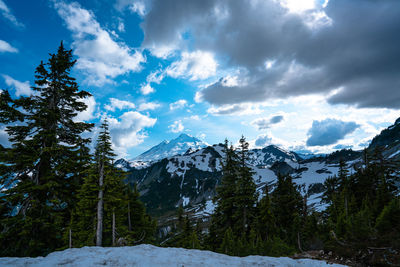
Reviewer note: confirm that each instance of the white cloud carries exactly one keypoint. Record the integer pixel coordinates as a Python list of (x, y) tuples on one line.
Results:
[(162, 51), (119, 104), (100, 57), (148, 106), (121, 26), (128, 130), (21, 88), (235, 109), (310, 11), (155, 77), (6, 12), (201, 136), (135, 6), (89, 113), (300, 112), (138, 7), (176, 127), (178, 104), (147, 89), (296, 6), (6, 47), (198, 65), (194, 117)]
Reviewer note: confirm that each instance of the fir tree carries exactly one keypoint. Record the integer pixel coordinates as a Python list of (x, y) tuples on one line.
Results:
[(142, 227), (228, 245), (266, 224), (84, 220), (100, 216), (46, 159), (104, 160), (287, 205), (245, 197), (223, 217)]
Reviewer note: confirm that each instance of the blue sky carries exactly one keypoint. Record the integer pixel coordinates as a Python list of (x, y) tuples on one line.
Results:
[(305, 75)]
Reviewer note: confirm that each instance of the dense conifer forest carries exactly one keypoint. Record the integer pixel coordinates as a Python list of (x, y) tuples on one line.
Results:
[(60, 195)]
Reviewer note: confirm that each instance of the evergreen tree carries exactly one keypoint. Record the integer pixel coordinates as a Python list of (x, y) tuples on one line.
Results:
[(266, 224), (228, 245), (115, 204), (103, 160), (84, 219), (46, 160), (142, 227), (100, 217), (388, 221), (223, 217), (287, 206), (245, 197)]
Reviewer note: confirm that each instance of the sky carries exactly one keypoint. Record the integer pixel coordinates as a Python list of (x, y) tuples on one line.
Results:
[(311, 76)]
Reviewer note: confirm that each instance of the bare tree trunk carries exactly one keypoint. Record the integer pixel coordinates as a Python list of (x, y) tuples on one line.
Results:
[(99, 233), (113, 229), (70, 238), (129, 217), (298, 241)]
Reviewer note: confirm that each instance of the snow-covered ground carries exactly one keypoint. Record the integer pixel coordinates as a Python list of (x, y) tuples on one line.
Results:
[(148, 255)]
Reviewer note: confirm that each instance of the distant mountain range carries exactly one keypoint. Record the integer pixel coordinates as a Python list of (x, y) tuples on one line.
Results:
[(185, 171)]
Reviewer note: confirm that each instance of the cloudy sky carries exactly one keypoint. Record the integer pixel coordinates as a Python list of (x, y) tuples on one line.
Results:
[(305, 75)]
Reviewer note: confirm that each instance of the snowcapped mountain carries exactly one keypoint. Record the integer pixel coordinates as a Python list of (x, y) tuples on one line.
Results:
[(270, 154), (189, 177), (176, 146)]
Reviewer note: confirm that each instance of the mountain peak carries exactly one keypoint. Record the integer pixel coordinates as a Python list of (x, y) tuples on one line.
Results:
[(184, 135), (165, 149)]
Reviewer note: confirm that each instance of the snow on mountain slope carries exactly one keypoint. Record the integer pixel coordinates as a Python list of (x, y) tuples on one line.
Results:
[(176, 146), (270, 154), (190, 179), (313, 172), (148, 255), (206, 159)]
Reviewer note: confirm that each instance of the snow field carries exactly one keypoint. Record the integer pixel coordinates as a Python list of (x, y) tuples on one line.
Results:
[(148, 255)]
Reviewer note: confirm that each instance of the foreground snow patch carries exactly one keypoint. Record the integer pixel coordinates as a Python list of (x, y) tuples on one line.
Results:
[(148, 255)]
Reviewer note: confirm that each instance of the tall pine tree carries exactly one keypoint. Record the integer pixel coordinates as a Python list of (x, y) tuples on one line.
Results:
[(103, 160), (222, 219), (45, 163), (245, 198)]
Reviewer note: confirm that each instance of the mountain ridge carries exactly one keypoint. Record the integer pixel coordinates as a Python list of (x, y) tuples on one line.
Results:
[(190, 178)]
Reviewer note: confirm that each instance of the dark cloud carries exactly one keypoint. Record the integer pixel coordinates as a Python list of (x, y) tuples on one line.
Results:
[(358, 52), (265, 123), (276, 119), (263, 140), (329, 131)]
